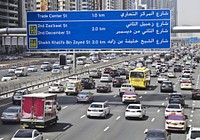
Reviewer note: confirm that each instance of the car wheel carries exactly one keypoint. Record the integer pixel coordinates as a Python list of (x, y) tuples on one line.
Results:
[(127, 118)]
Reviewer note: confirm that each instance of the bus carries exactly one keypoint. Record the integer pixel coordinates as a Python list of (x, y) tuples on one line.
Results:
[(140, 77)]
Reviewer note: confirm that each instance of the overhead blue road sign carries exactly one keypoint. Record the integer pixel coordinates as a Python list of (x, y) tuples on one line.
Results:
[(98, 29)]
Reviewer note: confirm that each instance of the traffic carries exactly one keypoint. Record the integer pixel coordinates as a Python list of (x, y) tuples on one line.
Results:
[(150, 97)]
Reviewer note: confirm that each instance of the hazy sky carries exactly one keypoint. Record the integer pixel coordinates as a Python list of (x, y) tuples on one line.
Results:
[(188, 12)]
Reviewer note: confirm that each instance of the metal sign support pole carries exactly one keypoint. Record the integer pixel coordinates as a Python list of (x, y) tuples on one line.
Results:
[(74, 61)]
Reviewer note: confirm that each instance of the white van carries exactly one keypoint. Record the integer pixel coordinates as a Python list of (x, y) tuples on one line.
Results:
[(21, 71)]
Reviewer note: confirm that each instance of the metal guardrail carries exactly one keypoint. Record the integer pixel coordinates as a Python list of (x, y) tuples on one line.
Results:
[(45, 81)]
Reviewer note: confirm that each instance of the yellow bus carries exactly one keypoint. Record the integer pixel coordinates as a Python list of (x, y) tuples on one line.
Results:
[(140, 77)]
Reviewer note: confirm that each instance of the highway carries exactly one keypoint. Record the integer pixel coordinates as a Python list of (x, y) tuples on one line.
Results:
[(74, 125)]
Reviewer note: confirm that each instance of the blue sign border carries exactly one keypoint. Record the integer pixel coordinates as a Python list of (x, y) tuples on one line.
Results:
[(123, 29)]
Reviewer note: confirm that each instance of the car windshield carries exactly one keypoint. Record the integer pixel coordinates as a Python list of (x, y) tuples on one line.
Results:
[(18, 93), (133, 107), (175, 118), (11, 110), (195, 134), (137, 75), (155, 135), (174, 106), (104, 75), (54, 84), (70, 85), (185, 76), (23, 134), (8, 75), (96, 106)]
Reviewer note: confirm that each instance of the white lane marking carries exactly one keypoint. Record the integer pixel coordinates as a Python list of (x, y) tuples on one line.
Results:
[(82, 116), (153, 119), (193, 101), (192, 111), (115, 96), (140, 97), (158, 111), (145, 130), (1, 138), (118, 117), (145, 92), (66, 127), (191, 116), (176, 82), (190, 120), (65, 107), (106, 128), (197, 81), (163, 103), (166, 98)]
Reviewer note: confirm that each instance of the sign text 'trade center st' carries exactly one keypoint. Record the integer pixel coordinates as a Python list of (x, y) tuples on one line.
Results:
[(128, 29)]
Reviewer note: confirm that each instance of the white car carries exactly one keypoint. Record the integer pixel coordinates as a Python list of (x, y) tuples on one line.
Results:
[(56, 64), (56, 70), (72, 78), (176, 122), (171, 74), (106, 78), (27, 134), (129, 96), (45, 64), (174, 109), (162, 77), (135, 110), (186, 84), (12, 69), (193, 133), (56, 87), (8, 77), (126, 87), (98, 109), (185, 76), (32, 68)]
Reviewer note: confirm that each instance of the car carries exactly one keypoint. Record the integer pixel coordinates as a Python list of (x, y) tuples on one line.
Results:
[(157, 134), (195, 93), (135, 111), (171, 74), (88, 83), (118, 81), (11, 114), (177, 68), (125, 87), (12, 69), (45, 64), (98, 109), (8, 77), (106, 78), (47, 68), (176, 98), (186, 84), (176, 122), (27, 134), (154, 73), (104, 88), (174, 109), (56, 87), (85, 96), (72, 78), (95, 73), (193, 133), (56, 70), (185, 76), (17, 96), (162, 77), (129, 96), (166, 86), (32, 68)]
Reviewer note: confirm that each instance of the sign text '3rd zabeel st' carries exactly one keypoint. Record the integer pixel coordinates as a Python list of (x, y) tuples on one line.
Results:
[(98, 29)]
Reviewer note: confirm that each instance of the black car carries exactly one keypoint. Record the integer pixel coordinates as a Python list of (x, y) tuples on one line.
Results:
[(177, 68), (177, 98), (118, 81), (17, 96), (123, 72), (157, 134), (167, 86), (88, 83), (47, 68), (104, 88)]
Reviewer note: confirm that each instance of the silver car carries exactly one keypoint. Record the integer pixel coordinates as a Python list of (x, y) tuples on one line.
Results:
[(85, 96), (11, 114)]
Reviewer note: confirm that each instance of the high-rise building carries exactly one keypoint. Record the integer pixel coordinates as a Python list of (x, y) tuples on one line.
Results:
[(46, 5)]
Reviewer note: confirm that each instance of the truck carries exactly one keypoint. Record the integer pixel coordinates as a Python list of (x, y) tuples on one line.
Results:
[(39, 110)]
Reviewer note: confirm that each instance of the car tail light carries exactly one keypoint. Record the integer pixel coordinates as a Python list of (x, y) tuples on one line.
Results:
[(167, 110), (127, 110), (182, 123), (101, 110), (139, 111), (89, 110), (167, 123), (86, 97)]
